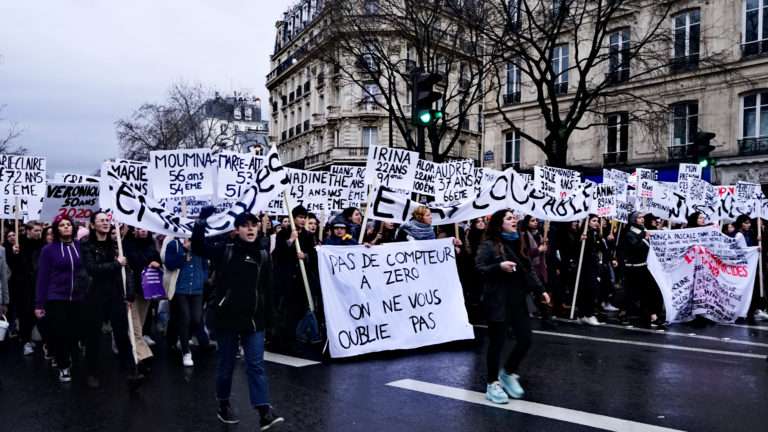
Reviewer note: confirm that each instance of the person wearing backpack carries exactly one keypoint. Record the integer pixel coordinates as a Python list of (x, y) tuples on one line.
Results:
[(242, 292)]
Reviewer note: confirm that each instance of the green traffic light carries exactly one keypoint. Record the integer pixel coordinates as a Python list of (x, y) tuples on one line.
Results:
[(704, 163), (425, 117)]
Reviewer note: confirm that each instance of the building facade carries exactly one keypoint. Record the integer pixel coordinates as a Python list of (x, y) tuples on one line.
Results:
[(317, 117), (729, 98), (237, 123)]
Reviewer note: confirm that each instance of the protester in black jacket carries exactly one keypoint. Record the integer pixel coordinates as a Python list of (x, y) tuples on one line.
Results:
[(242, 288), (507, 279), (107, 293), (642, 294), (595, 253)]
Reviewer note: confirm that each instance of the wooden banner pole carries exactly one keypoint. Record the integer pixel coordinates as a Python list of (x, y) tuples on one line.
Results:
[(578, 271)]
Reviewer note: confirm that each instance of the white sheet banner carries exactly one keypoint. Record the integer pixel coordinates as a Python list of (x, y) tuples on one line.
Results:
[(22, 176), (702, 272), (178, 173), (347, 187), (556, 182), (310, 189), (396, 296), (391, 167), (74, 178), (454, 182), (136, 209), (75, 200), (132, 173), (236, 172)]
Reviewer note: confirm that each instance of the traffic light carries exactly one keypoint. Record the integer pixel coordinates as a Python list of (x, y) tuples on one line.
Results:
[(424, 97), (702, 149)]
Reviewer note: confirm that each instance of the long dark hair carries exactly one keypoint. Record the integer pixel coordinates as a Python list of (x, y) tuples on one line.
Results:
[(55, 226), (92, 231), (493, 233)]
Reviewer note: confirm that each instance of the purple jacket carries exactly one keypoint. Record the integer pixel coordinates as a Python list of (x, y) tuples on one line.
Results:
[(57, 275)]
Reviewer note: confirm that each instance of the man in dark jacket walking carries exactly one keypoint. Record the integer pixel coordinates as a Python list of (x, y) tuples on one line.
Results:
[(242, 290)]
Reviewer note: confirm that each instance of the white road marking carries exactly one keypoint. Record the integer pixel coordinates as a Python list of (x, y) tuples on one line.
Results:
[(667, 332), (653, 345), (746, 326), (288, 360), (647, 344), (532, 408)]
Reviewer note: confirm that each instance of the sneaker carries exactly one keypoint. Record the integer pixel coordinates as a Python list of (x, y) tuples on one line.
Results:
[(590, 320), (187, 360), (226, 415), (64, 375), (270, 419), (240, 353), (496, 394), (761, 315), (149, 341), (511, 385), (29, 348), (609, 307)]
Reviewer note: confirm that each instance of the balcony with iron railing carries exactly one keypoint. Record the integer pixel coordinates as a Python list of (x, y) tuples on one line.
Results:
[(680, 152), (615, 158), (512, 98), (306, 88), (754, 49), (335, 155), (753, 146)]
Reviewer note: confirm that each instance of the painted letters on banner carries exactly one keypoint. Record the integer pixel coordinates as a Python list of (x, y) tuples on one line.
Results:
[(685, 172), (347, 187), (619, 180), (603, 201), (178, 173), (75, 200), (132, 173), (556, 182), (424, 180), (396, 296), (702, 272), (391, 167), (236, 172), (22, 176), (310, 189), (454, 182), (136, 209), (74, 178)]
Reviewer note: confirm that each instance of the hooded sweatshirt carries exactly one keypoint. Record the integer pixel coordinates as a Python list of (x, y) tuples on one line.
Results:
[(57, 276)]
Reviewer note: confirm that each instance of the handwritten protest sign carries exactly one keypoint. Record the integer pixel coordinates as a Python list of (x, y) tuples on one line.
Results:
[(619, 180), (454, 181), (310, 189), (346, 188), (702, 272), (685, 172), (132, 173), (391, 167), (485, 177), (136, 209), (22, 176), (8, 207), (75, 200), (603, 201), (236, 172), (74, 178), (395, 296), (424, 179), (556, 182), (177, 173)]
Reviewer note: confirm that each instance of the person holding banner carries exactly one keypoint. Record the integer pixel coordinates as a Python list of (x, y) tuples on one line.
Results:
[(339, 234), (60, 294), (745, 238), (354, 219), (642, 295), (419, 227), (242, 312), (508, 279)]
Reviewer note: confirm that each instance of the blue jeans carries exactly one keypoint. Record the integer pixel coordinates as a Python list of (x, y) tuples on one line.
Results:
[(253, 347)]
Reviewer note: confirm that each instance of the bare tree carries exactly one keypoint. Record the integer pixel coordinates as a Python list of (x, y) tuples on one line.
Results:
[(11, 133), (580, 59), (376, 45), (180, 122)]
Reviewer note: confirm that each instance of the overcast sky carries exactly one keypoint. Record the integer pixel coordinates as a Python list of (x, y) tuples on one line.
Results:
[(70, 68)]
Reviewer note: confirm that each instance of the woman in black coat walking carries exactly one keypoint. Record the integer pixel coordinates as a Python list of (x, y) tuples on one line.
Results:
[(507, 279)]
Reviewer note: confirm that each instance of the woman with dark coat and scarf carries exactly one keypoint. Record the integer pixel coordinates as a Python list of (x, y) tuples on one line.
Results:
[(508, 279)]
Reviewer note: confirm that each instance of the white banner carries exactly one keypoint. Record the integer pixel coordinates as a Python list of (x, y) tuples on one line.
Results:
[(619, 180), (396, 296), (178, 173), (424, 179), (22, 176), (391, 167), (454, 182), (603, 201), (310, 189), (132, 173), (556, 182), (236, 172), (702, 272), (75, 200), (74, 178), (347, 187), (136, 209), (685, 172)]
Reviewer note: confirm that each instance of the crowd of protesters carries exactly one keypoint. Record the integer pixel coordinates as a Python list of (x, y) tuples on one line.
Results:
[(64, 286)]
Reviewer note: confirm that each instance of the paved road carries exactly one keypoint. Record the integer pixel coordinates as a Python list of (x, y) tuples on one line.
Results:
[(577, 379)]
